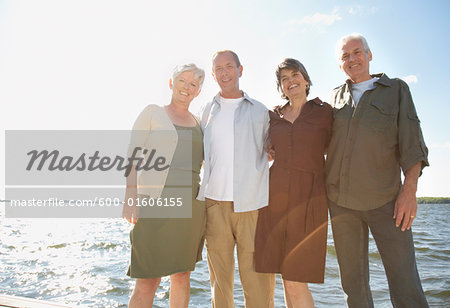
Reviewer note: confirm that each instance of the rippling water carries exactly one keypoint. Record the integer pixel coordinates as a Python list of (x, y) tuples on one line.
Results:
[(83, 262)]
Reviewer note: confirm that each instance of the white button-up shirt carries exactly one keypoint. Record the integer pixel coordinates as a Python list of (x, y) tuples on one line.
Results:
[(251, 168)]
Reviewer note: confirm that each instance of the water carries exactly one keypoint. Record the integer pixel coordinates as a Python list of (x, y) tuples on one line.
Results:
[(84, 261)]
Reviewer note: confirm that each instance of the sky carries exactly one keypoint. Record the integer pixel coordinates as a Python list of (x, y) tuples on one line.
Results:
[(94, 65)]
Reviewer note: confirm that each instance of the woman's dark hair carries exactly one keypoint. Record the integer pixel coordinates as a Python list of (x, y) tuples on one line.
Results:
[(296, 66)]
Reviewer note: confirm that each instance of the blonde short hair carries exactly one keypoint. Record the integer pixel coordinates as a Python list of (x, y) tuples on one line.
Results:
[(198, 72)]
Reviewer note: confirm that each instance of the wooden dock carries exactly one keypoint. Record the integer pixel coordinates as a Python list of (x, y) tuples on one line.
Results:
[(10, 301)]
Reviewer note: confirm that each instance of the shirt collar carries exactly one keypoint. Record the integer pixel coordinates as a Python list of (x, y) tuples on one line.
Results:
[(245, 96), (277, 109), (383, 80)]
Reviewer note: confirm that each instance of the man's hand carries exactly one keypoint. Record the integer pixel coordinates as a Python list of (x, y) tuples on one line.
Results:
[(405, 209), (271, 153)]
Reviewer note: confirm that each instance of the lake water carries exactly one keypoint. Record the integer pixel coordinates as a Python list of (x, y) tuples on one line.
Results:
[(84, 261)]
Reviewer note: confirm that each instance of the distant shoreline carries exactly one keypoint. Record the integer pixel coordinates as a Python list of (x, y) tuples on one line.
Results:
[(433, 200)]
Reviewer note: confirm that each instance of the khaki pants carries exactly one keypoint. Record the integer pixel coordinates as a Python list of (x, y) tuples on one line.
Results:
[(224, 230)]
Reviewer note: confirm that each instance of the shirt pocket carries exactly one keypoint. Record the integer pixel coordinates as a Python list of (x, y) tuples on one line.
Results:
[(342, 116), (380, 116)]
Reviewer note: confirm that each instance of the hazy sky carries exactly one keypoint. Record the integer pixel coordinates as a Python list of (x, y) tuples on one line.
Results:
[(97, 64)]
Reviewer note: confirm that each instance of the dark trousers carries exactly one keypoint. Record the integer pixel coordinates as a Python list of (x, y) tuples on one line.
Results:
[(396, 248)]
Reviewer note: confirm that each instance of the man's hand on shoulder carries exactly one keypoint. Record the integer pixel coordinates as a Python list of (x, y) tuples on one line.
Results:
[(271, 153)]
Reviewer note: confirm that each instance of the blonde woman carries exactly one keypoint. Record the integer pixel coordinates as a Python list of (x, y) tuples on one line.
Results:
[(167, 246)]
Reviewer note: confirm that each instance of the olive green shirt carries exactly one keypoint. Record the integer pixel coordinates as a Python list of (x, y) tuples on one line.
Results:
[(371, 143)]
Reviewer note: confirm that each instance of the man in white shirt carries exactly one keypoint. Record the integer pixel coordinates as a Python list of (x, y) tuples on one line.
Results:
[(235, 185)]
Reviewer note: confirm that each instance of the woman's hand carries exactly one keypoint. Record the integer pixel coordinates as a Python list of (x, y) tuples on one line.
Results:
[(130, 210)]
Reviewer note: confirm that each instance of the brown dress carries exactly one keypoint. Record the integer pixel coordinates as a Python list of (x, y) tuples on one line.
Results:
[(291, 235)]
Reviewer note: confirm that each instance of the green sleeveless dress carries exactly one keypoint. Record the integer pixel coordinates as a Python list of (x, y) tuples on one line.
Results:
[(165, 246)]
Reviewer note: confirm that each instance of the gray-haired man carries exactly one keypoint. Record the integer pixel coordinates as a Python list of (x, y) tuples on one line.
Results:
[(376, 134)]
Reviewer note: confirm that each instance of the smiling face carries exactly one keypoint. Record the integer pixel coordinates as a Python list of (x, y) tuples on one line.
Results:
[(354, 61), (185, 87), (293, 84), (226, 73)]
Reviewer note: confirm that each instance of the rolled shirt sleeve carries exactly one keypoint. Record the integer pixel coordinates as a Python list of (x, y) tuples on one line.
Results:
[(412, 148)]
